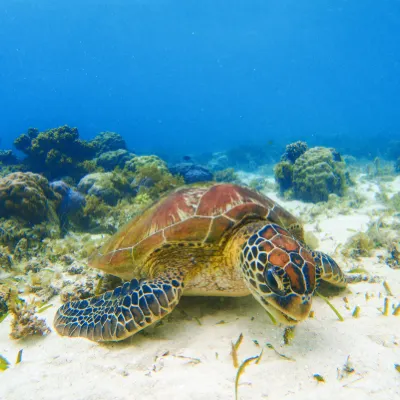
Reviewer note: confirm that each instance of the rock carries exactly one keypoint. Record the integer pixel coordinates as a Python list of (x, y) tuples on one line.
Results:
[(191, 173), (72, 201)]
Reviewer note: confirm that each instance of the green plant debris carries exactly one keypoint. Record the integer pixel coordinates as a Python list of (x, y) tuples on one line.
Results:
[(239, 341), (4, 364), (331, 306), (192, 360), (98, 286), (358, 270), (235, 348), (288, 335), (220, 322), (397, 367), (356, 312), (4, 316), (269, 345), (396, 311), (197, 320), (346, 303), (319, 378), (19, 356), (44, 308), (387, 288), (312, 314), (386, 304), (241, 369), (271, 317)]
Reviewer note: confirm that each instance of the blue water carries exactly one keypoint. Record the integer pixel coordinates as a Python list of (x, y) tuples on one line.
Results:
[(196, 76)]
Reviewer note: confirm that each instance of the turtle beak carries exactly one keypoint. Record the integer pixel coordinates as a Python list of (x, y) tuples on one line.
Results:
[(290, 309)]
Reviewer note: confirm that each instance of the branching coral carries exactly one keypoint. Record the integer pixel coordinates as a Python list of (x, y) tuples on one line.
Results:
[(25, 322)]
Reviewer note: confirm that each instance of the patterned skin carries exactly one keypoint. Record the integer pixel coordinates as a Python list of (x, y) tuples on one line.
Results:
[(282, 273), (219, 240)]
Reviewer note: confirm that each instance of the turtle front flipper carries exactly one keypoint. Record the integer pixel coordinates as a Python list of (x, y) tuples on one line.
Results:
[(120, 313), (328, 270)]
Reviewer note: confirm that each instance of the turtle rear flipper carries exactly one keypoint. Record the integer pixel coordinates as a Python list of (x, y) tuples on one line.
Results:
[(120, 313)]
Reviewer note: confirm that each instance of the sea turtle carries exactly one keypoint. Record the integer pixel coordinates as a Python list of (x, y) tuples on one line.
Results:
[(216, 240)]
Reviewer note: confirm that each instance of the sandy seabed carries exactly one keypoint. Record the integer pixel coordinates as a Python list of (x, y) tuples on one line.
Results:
[(189, 355)]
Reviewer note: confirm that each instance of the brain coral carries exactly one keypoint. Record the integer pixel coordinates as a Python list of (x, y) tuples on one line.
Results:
[(28, 196), (317, 173)]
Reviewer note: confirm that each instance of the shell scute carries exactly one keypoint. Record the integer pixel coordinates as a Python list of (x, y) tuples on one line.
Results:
[(218, 227), (194, 229), (190, 215)]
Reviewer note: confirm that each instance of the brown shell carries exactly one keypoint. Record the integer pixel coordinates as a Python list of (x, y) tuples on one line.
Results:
[(201, 214)]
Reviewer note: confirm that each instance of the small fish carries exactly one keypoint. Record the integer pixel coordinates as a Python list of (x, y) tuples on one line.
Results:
[(187, 158), (270, 142)]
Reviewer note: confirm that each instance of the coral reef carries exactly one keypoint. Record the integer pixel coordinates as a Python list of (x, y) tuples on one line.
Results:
[(284, 175), (28, 196), (27, 212), (358, 245), (314, 175), (191, 173), (155, 181), (25, 322), (108, 186), (56, 152), (6, 259), (108, 141), (112, 159), (317, 173), (219, 161), (145, 161), (7, 157), (226, 175), (293, 151)]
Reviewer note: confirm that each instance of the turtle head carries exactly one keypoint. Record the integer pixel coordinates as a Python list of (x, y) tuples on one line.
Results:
[(280, 273)]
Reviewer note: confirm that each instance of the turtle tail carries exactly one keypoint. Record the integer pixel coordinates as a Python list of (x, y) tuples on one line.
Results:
[(120, 313)]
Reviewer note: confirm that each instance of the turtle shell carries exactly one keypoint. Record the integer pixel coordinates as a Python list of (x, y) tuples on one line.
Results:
[(204, 215)]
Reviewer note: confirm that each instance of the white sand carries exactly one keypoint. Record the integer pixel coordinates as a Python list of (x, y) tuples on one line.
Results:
[(185, 360)]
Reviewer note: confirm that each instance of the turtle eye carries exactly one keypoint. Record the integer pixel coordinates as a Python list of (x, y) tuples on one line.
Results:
[(274, 281)]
